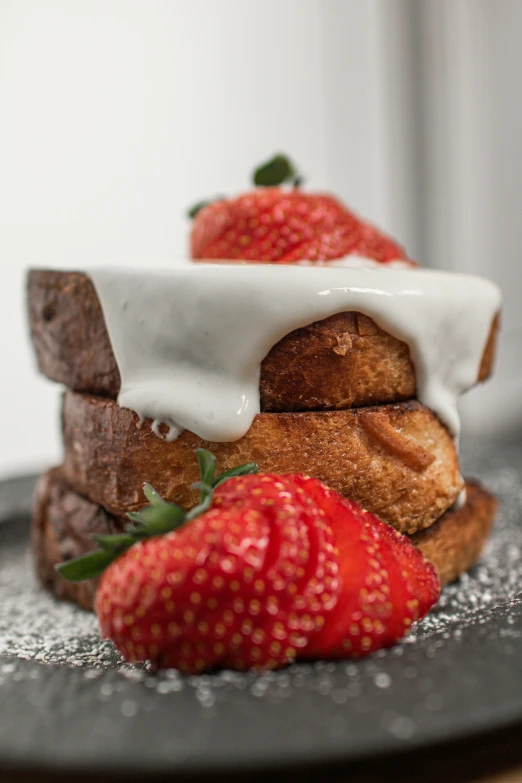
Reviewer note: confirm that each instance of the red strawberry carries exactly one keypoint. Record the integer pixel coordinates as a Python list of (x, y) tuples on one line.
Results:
[(284, 226), (385, 583), (311, 591), (277, 568), (273, 225), (247, 584), (418, 574)]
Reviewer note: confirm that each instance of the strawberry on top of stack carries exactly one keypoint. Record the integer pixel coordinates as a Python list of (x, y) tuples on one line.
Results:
[(284, 226)]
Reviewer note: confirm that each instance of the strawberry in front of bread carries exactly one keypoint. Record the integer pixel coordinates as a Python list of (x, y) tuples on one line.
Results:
[(386, 584), (266, 569), (279, 225), (243, 585)]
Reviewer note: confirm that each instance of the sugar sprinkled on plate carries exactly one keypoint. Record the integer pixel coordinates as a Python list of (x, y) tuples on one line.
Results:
[(36, 627)]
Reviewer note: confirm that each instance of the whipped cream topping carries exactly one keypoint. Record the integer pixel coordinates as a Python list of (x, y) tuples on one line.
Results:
[(189, 338)]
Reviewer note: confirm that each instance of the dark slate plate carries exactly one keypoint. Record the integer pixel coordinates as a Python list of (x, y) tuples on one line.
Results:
[(67, 701)]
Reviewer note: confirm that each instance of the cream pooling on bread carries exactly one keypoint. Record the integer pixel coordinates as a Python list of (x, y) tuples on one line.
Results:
[(189, 339)]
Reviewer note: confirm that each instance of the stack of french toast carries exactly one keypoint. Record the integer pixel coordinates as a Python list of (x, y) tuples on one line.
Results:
[(338, 401)]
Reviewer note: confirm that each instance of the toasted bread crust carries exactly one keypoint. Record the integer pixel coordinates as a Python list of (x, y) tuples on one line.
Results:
[(340, 362), (62, 525), (455, 542), (63, 521), (69, 333), (408, 476), (345, 361)]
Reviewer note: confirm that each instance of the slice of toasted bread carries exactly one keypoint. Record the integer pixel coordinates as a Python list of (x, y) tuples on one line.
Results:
[(63, 523), (341, 362), (395, 460), (455, 542), (64, 520)]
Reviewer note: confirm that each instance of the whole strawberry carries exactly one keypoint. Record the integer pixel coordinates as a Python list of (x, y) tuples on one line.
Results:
[(281, 225), (266, 569)]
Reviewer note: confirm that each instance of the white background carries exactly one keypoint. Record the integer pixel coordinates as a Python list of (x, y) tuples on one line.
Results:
[(115, 115)]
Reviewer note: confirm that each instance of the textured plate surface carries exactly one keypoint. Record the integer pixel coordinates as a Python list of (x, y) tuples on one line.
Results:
[(66, 699)]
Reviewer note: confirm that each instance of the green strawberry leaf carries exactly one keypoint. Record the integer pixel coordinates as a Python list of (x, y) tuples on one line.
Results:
[(241, 470), (193, 211), (157, 519), (203, 505), (86, 566), (137, 523), (116, 543), (207, 466), (152, 496), (276, 171)]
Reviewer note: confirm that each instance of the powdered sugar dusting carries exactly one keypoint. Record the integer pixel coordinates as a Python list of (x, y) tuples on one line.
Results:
[(36, 627)]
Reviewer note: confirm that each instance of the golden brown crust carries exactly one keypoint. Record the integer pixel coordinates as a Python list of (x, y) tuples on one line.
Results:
[(344, 361), (108, 457), (63, 521), (341, 362), (62, 524), (455, 542)]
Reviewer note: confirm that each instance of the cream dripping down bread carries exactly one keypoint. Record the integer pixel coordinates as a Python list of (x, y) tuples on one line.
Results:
[(186, 376), (342, 361), (436, 329), (184, 347), (346, 367)]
